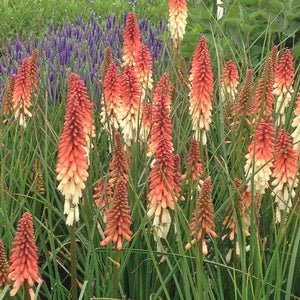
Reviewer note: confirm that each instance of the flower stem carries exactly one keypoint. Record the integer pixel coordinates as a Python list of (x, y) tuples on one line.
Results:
[(26, 291), (73, 262), (116, 274), (200, 270)]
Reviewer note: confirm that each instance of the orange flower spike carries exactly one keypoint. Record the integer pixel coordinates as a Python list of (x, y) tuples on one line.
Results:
[(161, 121), (177, 20), (72, 160), (146, 121), (284, 173), (4, 267), (130, 93), (24, 262), (263, 96), (118, 218), (162, 196), (259, 159), (202, 220), (229, 81), (111, 106), (103, 197), (193, 162), (296, 125), (22, 93), (108, 59), (8, 96), (274, 59), (34, 71), (201, 95), (132, 40), (283, 85), (118, 166), (143, 70)]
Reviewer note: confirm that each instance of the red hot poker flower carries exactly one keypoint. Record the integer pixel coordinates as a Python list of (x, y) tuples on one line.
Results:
[(177, 21), (8, 96), (108, 59), (229, 81), (72, 160), (4, 267), (24, 263), (22, 93), (34, 71), (202, 44), (132, 40), (118, 218), (201, 95), (296, 125), (202, 219), (285, 174), (146, 121)]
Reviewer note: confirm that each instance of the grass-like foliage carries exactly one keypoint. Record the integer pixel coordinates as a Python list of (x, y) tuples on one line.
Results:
[(227, 173)]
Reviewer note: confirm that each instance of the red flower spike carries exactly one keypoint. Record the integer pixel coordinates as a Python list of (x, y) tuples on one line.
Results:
[(8, 96), (24, 262), (283, 85), (201, 95), (177, 20), (162, 195), (263, 96), (72, 160), (118, 219), (194, 168), (161, 121), (274, 59), (243, 105), (296, 125), (202, 44), (284, 173), (22, 93), (103, 197), (132, 40), (34, 71), (202, 220), (229, 81), (130, 93), (76, 87), (4, 267), (108, 59), (118, 166), (143, 70), (111, 106), (259, 159), (146, 122)]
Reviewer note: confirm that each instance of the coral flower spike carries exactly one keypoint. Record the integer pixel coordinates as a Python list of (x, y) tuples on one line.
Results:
[(177, 21), (24, 262), (72, 161), (118, 217), (4, 267), (22, 93), (229, 81), (132, 40), (285, 174)]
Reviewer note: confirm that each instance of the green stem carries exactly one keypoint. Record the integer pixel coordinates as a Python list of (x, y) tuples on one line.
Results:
[(116, 274), (73, 262), (200, 271), (26, 291)]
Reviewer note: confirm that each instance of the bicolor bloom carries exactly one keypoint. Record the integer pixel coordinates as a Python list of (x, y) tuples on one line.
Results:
[(111, 105), (22, 93), (146, 121), (103, 197), (161, 121), (194, 168), (143, 70), (296, 125), (203, 217), (162, 195), (263, 96), (118, 166), (107, 60), (118, 217), (8, 96), (243, 106), (72, 163), (34, 71), (24, 262), (177, 21), (259, 159), (77, 88), (131, 94), (284, 173), (201, 95), (132, 40), (283, 85), (229, 81), (4, 267)]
